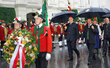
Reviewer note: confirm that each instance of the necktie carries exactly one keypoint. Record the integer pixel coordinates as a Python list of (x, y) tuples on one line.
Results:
[(37, 27)]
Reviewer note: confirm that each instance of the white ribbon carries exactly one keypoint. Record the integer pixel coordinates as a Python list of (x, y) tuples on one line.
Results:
[(20, 47)]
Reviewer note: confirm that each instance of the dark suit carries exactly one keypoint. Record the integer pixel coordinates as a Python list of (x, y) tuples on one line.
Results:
[(105, 45), (72, 35), (92, 39)]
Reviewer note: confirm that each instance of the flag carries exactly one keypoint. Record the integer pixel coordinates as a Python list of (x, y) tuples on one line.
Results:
[(69, 8), (44, 12)]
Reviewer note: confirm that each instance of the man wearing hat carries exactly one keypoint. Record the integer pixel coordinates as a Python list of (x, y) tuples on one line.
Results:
[(17, 26), (3, 34), (80, 27), (52, 31), (43, 37), (60, 33)]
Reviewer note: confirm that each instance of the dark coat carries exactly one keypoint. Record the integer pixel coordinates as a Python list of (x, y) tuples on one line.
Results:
[(106, 29), (92, 34), (72, 32)]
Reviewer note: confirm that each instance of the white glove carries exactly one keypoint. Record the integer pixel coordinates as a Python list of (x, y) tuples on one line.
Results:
[(52, 34), (1, 50), (48, 56), (59, 35), (63, 35)]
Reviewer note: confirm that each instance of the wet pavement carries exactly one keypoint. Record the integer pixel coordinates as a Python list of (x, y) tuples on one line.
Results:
[(60, 57)]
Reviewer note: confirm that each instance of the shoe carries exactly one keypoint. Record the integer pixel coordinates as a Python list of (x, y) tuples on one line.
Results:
[(89, 63), (65, 45), (60, 46), (70, 60)]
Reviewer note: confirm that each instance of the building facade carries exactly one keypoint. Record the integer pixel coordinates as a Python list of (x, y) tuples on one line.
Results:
[(24, 7)]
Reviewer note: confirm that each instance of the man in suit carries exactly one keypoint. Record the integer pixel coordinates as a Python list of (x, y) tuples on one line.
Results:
[(105, 45), (89, 33), (72, 38)]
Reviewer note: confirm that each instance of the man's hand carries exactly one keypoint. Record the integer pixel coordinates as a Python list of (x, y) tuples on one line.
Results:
[(65, 27), (93, 27), (100, 37)]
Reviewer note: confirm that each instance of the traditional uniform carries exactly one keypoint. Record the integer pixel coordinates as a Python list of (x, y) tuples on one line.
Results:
[(65, 35), (3, 35), (32, 25), (52, 32), (10, 30), (80, 26), (43, 37), (59, 33), (25, 27)]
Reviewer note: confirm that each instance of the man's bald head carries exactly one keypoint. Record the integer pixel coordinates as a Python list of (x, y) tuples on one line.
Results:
[(70, 19), (106, 20)]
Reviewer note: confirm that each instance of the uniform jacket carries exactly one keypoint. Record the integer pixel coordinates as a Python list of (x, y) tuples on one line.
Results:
[(44, 41)]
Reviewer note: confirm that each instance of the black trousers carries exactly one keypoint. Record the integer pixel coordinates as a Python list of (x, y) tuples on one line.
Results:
[(72, 46), (53, 37), (60, 38), (106, 46), (41, 61), (2, 43), (90, 47), (1, 47), (100, 43)]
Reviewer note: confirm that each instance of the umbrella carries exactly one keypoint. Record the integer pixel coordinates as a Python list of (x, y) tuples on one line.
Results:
[(63, 16), (106, 15), (93, 12)]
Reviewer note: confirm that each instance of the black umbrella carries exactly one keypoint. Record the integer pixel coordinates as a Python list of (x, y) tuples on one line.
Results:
[(106, 15), (93, 12), (63, 16)]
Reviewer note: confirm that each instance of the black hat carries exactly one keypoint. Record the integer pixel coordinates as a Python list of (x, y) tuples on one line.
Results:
[(41, 16), (17, 22), (2, 22)]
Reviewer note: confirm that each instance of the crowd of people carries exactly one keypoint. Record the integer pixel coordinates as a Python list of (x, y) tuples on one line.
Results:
[(92, 32), (96, 35), (38, 30)]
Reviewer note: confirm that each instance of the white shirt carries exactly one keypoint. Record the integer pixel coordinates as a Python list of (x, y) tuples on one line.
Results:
[(99, 29)]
